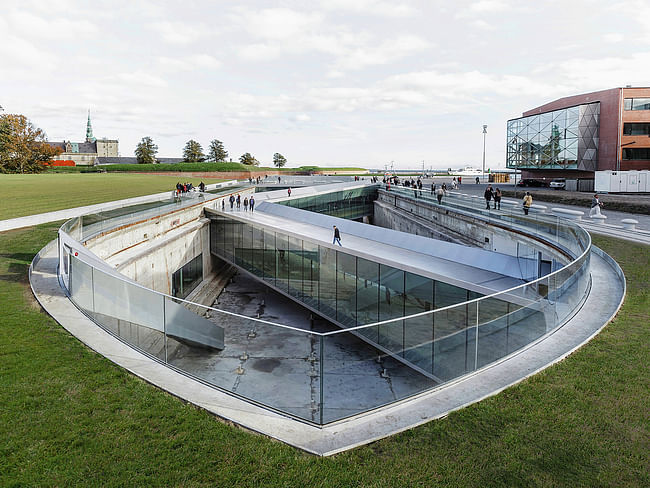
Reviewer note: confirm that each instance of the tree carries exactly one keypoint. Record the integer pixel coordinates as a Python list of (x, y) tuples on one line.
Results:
[(146, 150), (249, 160), (216, 151), (279, 160), (193, 152), (23, 146)]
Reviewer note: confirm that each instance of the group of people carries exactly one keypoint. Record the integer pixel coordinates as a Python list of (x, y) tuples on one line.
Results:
[(237, 200), (493, 195)]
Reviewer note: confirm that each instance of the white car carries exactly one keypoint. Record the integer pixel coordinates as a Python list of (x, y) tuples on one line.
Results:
[(558, 183)]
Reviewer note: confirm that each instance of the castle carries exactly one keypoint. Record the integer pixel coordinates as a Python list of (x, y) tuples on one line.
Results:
[(87, 153)]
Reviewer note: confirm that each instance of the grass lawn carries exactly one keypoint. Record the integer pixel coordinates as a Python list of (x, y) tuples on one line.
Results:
[(33, 194), (69, 417)]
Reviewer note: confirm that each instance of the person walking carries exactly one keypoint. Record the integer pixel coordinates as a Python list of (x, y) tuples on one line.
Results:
[(460, 181), (245, 204), (595, 206), (251, 202), (223, 204), (528, 201), (439, 193), (289, 191), (478, 181), (488, 196), (497, 199), (232, 201), (337, 236), (238, 201)]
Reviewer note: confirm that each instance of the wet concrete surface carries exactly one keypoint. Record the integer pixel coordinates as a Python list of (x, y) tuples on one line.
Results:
[(287, 369)]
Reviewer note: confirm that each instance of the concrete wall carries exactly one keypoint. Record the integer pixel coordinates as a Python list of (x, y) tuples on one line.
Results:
[(423, 218), (151, 250)]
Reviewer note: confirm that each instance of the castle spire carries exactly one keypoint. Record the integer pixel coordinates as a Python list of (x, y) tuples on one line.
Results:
[(89, 130)]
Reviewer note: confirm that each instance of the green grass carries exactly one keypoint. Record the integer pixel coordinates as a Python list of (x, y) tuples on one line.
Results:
[(33, 194), (190, 167), (69, 417)]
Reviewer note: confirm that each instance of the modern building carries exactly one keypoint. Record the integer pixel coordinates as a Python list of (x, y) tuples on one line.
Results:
[(87, 153), (575, 136)]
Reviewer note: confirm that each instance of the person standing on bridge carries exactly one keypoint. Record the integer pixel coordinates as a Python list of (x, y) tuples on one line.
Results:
[(439, 193), (337, 236), (488, 196), (528, 201), (251, 202), (245, 204), (232, 201), (289, 191), (497, 199)]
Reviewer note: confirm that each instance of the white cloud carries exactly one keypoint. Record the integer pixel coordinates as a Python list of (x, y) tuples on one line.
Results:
[(178, 32), (189, 63), (372, 7)]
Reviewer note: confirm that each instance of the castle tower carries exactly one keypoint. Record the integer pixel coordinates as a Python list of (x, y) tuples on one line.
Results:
[(89, 130)]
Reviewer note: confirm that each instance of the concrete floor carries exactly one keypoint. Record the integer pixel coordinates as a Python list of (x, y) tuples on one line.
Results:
[(281, 368)]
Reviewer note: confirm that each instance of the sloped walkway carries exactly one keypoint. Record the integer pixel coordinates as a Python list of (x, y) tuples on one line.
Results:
[(607, 293)]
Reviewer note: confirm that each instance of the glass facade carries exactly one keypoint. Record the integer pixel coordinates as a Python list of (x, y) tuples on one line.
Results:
[(350, 204), (188, 277), (352, 291), (562, 139)]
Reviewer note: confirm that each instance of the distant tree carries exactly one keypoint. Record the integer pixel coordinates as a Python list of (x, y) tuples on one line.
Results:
[(249, 160), (23, 146), (279, 160), (216, 151), (145, 151), (193, 152)]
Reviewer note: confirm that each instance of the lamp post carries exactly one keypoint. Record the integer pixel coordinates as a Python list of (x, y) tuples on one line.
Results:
[(484, 133)]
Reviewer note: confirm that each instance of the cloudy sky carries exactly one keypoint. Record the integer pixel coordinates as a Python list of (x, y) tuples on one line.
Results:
[(338, 82)]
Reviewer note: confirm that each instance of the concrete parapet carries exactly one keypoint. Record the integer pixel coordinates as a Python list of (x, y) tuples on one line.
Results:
[(568, 214), (629, 224)]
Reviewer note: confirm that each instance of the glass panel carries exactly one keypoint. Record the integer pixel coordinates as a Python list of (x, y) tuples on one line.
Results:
[(327, 281), (391, 305), (346, 287), (641, 104), (270, 258), (81, 284), (295, 263), (492, 330), (310, 273), (451, 332), (368, 296), (132, 313), (282, 263), (418, 331)]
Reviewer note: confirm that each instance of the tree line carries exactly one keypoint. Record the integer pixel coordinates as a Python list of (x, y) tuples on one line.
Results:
[(146, 150), (24, 149)]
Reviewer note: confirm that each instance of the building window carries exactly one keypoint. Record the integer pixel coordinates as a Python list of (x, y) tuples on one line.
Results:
[(637, 153), (636, 104), (636, 129), (185, 279)]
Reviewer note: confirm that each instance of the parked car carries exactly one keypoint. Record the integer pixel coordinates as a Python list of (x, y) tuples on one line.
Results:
[(558, 183), (532, 182)]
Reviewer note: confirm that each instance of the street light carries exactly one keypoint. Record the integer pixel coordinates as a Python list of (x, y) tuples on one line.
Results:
[(484, 133)]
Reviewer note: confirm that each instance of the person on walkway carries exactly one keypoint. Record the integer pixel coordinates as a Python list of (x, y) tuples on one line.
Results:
[(201, 187), (337, 236), (433, 188), (478, 181), (595, 206), (245, 204), (488, 196), (252, 202), (238, 201), (439, 193), (528, 201), (289, 191), (223, 204), (497, 199), (232, 201), (460, 181)]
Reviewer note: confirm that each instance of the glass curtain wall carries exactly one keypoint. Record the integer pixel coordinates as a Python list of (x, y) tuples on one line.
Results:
[(350, 204), (352, 291), (561, 139)]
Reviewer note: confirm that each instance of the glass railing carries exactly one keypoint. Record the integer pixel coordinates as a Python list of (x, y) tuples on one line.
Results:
[(320, 372)]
